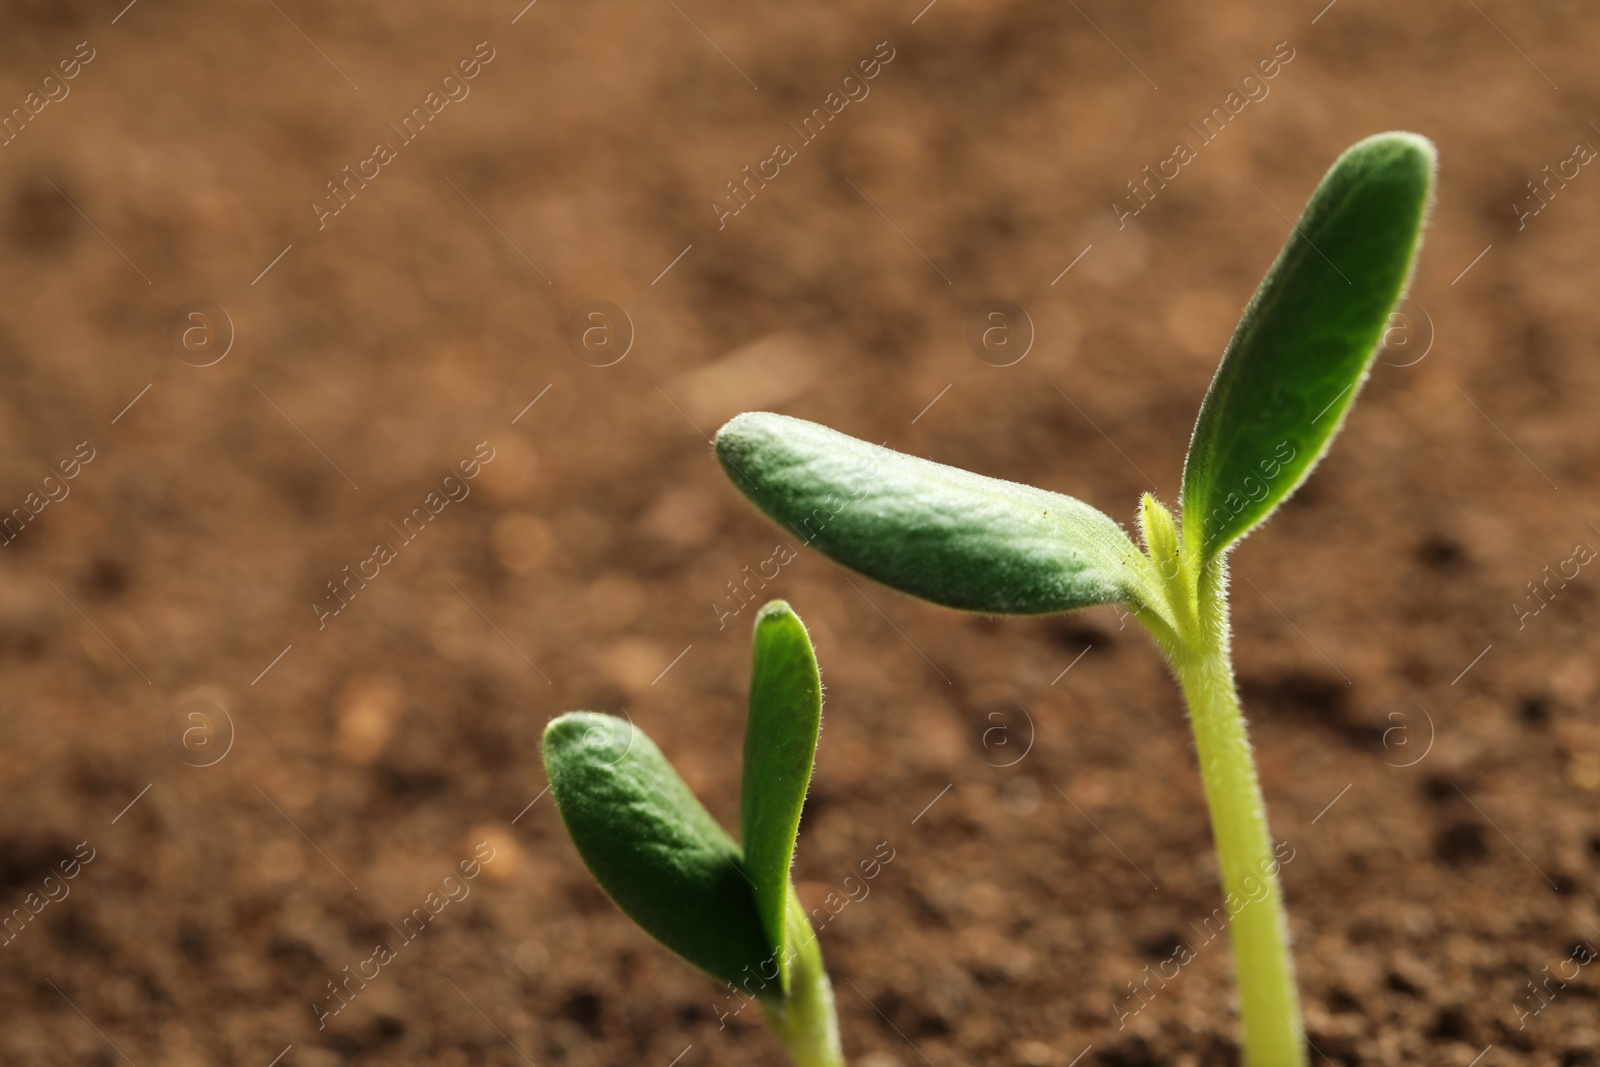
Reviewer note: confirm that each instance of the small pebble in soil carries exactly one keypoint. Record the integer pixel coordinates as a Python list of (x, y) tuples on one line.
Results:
[(531, 957)]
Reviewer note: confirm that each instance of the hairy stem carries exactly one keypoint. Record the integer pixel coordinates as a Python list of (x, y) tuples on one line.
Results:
[(805, 1021), (1268, 1002)]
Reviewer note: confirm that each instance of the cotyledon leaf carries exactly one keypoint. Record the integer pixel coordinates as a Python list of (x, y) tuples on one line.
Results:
[(780, 743), (1306, 341), (941, 533), (652, 846)]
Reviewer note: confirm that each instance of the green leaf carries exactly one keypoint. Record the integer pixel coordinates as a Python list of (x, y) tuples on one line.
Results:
[(937, 532), (652, 847), (1303, 348), (780, 743)]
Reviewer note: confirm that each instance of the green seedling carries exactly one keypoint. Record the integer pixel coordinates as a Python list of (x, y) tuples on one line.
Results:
[(729, 910), (1287, 378)]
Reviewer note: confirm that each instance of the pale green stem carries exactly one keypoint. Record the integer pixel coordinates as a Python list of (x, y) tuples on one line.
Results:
[(806, 1022), (1268, 1003)]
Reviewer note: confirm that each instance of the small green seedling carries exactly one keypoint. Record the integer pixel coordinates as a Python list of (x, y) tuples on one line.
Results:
[(659, 854), (1296, 361)]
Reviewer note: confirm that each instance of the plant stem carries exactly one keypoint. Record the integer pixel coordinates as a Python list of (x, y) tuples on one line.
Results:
[(1269, 1005), (805, 1021)]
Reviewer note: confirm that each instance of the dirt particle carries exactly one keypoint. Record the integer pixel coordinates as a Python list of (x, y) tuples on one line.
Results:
[(586, 898), (1311, 698), (520, 542), (1441, 553), (1316, 695), (1163, 946), (26, 862), (498, 852), (1021, 796), (1401, 984), (366, 713), (880, 1059), (40, 219), (1075, 635), (1584, 771), (194, 946), (107, 578), (1450, 1024), (613, 602), (1438, 790), (531, 957), (410, 784), (583, 1007), (1341, 1001), (510, 477), (1028, 1053), (633, 662), (683, 518), (1460, 844), (1132, 1053)]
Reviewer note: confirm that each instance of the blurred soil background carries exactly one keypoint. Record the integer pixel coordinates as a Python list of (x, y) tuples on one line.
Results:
[(1430, 746)]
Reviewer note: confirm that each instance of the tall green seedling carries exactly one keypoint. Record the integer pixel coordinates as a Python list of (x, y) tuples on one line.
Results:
[(1298, 357), (727, 907)]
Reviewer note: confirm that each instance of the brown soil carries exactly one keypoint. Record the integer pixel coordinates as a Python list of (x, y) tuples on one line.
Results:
[(380, 750)]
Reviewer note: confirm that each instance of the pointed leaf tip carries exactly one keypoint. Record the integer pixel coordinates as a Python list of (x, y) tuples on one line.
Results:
[(1306, 341), (780, 747)]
